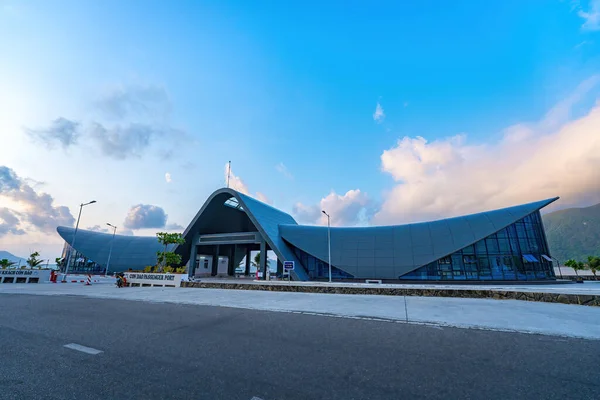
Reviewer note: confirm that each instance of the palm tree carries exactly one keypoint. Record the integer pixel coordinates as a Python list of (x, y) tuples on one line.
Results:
[(256, 261), (594, 265), (33, 260), (576, 265), (5, 263)]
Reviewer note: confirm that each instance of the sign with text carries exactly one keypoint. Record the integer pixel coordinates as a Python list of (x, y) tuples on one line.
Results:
[(18, 272), (156, 277), (150, 279), (15, 275), (288, 266)]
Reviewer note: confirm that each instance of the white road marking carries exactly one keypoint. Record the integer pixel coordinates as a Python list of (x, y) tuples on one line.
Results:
[(256, 398), (83, 349)]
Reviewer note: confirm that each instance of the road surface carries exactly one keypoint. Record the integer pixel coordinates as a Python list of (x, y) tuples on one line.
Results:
[(120, 349)]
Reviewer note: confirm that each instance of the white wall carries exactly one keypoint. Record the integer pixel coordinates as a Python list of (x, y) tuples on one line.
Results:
[(568, 271)]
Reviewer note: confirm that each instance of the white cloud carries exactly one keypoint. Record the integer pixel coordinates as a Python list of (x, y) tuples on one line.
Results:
[(9, 222), (379, 114), (98, 228), (236, 183), (591, 17), (143, 216), (283, 170), (307, 213), (168, 177), (63, 131), (132, 119), (35, 209), (173, 226), (449, 177), (137, 101), (344, 210), (262, 197)]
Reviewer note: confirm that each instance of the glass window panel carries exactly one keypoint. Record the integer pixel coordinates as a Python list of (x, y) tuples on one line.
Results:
[(549, 270), (496, 267), (471, 275), (508, 268), (533, 245), (524, 245), (457, 261), (469, 250), (484, 263), (492, 245), (480, 248), (503, 246), (540, 272), (469, 259), (433, 271), (419, 274), (484, 266)]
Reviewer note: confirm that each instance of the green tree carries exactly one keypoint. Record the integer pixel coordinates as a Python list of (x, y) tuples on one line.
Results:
[(576, 265), (5, 263), (256, 261), (167, 258), (594, 264), (33, 261)]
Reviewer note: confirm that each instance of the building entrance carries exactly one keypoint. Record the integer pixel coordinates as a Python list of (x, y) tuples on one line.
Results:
[(220, 255)]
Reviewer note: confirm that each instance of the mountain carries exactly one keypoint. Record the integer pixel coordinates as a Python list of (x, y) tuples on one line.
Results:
[(11, 257), (573, 233)]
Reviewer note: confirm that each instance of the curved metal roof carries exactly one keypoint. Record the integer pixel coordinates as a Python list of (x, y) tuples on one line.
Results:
[(266, 221), (383, 251), (134, 252), (396, 250)]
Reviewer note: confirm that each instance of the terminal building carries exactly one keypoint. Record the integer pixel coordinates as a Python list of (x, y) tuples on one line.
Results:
[(502, 245)]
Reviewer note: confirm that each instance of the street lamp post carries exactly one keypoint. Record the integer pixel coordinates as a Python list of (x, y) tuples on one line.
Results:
[(111, 247), (328, 241), (73, 241), (558, 264)]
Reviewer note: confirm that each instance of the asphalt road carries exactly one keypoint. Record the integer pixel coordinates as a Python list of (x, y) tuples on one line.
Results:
[(170, 351)]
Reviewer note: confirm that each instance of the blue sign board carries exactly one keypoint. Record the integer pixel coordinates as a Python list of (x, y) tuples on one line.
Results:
[(288, 265)]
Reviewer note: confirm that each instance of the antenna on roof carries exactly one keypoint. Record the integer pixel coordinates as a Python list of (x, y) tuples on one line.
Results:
[(228, 174)]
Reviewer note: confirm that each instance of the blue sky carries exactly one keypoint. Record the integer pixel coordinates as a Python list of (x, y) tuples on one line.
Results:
[(288, 92)]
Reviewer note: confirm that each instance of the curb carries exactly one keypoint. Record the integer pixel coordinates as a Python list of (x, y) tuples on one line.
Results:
[(578, 299)]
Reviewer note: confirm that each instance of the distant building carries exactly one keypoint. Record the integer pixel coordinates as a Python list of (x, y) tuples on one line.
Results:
[(92, 249), (506, 245)]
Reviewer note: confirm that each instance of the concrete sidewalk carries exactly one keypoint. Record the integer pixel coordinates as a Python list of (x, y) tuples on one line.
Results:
[(503, 315), (586, 288)]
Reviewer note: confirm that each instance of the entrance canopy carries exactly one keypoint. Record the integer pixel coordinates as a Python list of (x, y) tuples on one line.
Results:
[(232, 218)]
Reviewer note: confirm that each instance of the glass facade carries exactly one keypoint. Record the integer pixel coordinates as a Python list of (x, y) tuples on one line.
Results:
[(318, 269), (514, 253), (80, 264)]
